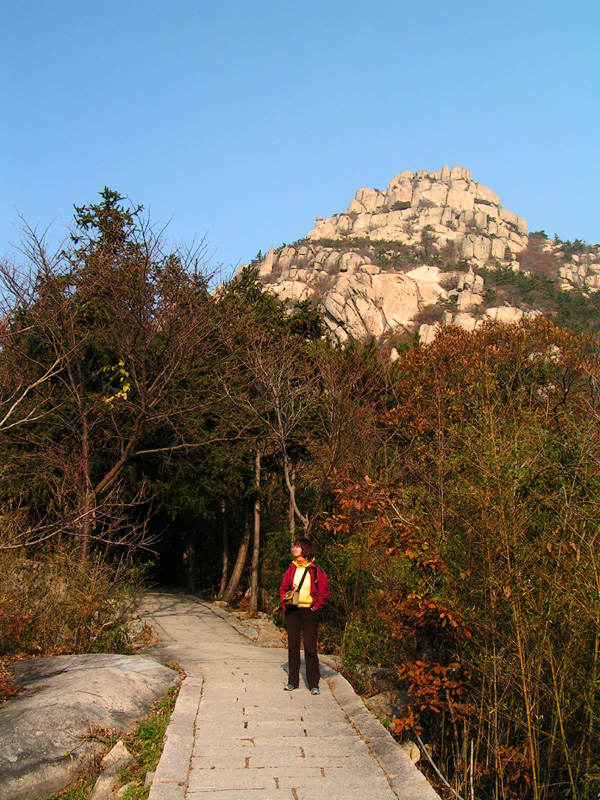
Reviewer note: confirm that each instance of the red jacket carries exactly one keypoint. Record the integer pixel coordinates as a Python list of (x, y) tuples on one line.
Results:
[(319, 585)]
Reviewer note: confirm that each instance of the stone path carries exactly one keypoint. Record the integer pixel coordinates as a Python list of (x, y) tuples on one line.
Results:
[(236, 735)]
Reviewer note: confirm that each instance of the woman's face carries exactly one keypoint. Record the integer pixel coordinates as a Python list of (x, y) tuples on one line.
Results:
[(297, 551)]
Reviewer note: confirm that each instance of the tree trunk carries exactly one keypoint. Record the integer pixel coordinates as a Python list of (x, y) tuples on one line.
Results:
[(256, 547), (238, 567), (87, 513), (292, 490), (291, 512), (86, 504), (225, 562)]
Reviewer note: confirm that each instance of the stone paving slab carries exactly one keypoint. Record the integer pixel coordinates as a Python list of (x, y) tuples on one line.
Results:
[(235, 735), (245, 794)]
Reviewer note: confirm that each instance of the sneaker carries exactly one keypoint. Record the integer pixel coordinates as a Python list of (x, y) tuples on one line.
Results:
[(315, 690), (289, 688)]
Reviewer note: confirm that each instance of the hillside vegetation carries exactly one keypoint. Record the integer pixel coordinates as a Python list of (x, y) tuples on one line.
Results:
[(148, 425)]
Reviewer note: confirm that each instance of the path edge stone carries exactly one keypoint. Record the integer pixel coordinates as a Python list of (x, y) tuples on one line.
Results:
[(407, 781), (171, 776)]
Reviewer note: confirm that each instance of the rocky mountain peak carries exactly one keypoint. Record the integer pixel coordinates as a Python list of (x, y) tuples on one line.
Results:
[(448, 204), (377, 266)]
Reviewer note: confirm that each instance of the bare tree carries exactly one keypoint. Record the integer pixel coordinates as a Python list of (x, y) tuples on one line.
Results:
[(256, 539)]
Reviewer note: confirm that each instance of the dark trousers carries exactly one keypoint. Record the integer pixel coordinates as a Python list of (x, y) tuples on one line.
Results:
[(305, 621)]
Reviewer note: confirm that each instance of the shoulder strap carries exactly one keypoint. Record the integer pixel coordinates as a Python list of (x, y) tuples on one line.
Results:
[(316, 573), (302, 578)]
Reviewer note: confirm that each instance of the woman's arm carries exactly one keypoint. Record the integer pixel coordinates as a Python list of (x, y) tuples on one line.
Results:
[(322, 591)]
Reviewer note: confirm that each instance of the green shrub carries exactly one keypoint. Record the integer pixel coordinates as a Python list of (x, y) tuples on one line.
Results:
[(364, 641)]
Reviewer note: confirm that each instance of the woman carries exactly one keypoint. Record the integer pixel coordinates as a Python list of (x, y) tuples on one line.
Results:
[(305, 575)]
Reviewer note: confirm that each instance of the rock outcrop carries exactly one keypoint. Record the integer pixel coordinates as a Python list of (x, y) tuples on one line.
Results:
[(376, 267), (45, 732)]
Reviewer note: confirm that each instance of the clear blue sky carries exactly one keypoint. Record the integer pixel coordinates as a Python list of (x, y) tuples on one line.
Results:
[(246, 119)]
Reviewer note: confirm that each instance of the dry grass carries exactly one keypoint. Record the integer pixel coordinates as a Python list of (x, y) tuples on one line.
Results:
[(52, 603)]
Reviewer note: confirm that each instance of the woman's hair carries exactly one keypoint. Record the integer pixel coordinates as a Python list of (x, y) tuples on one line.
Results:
[(307, 547)]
